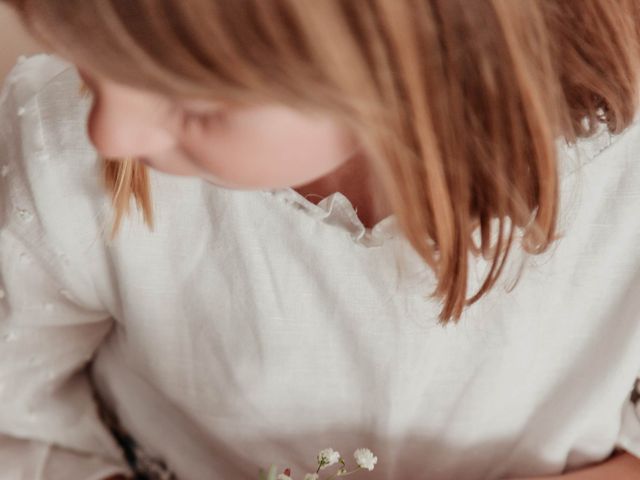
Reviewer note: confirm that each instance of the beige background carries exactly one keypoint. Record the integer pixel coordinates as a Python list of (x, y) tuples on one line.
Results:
[(14, 41)]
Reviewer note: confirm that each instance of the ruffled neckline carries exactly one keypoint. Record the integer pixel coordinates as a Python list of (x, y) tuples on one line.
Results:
[(573, 156), (337, 211)]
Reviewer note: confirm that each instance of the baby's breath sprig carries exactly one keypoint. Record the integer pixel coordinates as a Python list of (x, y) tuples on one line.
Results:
[(326, 458)]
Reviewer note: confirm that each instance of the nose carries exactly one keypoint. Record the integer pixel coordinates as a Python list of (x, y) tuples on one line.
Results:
[(128, 123)]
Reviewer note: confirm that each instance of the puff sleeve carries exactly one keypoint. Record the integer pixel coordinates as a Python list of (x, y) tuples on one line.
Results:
[(51, 318)]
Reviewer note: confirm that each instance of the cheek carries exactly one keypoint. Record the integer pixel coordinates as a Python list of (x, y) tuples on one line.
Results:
[(272, 148)]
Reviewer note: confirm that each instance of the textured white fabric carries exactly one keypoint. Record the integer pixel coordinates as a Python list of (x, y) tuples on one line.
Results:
[(253, 328)]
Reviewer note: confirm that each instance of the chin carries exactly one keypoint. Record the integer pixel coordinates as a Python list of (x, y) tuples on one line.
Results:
[(178, 172), (219, 182)]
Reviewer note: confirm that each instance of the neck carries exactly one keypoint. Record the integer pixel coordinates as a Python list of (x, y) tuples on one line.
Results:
[(355, 180)]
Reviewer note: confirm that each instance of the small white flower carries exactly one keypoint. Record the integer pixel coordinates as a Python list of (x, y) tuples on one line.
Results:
[(282, 476), (311, 476), (328, 457), (364, 458)]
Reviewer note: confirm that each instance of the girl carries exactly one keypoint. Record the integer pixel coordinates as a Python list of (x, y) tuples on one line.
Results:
[(410, 225)]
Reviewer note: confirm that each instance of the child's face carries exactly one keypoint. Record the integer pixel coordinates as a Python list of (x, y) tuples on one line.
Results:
[(260, 147)]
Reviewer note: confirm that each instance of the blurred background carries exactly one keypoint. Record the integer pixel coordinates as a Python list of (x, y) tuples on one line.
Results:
[(14, 40)]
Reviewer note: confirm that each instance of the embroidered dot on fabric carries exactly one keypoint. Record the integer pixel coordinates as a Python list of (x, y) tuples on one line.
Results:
[(8, 336), (63, 258), (25, 215)]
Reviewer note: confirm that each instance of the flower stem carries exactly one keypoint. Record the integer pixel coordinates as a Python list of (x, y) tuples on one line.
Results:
[(337, 474)]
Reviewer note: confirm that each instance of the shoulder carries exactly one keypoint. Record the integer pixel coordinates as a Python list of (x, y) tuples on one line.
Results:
[(30, 75), (43, 116), (47, 159), (42, 110), (51, 197), (600, 175)]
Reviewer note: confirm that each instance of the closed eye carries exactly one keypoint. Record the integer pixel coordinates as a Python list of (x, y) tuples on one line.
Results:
[(201, 118)]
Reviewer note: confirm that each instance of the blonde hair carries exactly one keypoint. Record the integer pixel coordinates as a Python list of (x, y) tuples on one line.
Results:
[(458, 103)]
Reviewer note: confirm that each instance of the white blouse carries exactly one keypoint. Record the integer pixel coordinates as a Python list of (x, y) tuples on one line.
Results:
[(253, 327)]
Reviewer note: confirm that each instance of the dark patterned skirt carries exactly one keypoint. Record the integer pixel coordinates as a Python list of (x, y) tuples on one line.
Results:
[(143, 465)]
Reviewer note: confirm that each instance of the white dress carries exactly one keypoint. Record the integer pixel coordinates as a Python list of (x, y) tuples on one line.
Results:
[(255, 328)]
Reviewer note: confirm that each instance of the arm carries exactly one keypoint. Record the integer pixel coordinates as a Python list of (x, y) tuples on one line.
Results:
[(52, 320), (50, 427), (620, 466)]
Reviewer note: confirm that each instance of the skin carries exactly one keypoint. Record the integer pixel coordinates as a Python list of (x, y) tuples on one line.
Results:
[(263, 147)]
